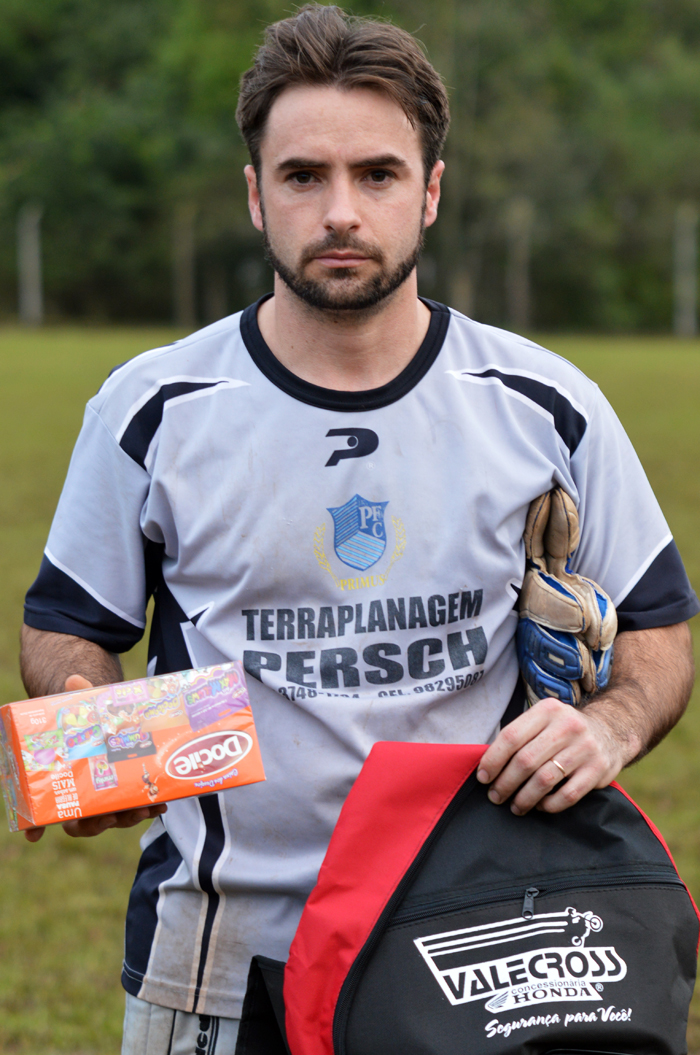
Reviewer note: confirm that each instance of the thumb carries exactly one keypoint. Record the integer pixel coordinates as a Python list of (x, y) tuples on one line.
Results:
[(76, 682), (33, 835)]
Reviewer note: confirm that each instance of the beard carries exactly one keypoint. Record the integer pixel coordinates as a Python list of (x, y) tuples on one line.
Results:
[(343, 290)]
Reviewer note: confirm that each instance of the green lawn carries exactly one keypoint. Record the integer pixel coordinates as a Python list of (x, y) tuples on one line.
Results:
[(62, 900)]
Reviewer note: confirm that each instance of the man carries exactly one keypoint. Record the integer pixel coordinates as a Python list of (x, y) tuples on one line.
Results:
[(333, 487)]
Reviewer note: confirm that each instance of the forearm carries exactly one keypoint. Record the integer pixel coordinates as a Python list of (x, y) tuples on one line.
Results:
[(47, 659), (651, 683)]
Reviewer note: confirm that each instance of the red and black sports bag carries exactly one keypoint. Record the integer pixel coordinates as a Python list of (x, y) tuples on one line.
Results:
[(444, 925)]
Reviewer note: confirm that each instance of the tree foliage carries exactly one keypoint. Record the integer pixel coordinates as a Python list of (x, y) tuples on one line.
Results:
[(114, 116)]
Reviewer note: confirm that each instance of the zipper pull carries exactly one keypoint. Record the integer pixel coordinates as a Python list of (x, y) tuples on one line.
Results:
[(529, 902)]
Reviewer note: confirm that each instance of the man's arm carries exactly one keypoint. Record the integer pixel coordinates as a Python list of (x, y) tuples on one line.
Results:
[(52, 663), (651, 683), (48, 660)]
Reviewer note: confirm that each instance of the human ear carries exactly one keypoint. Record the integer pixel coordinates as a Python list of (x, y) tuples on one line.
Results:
[(432, 193), (254, 200)]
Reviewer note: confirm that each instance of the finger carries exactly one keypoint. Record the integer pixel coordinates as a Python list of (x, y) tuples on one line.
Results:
[(129, 818), (88, 827), (76, 682), (585, 767), (32, 835), (566, 737), (533, 762), (585, 779), (543, 784), (510, 740)]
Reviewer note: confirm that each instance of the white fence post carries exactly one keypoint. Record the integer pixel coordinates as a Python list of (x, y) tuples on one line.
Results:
[(30, 285), (520, 216), (184, 256), (685, 270)]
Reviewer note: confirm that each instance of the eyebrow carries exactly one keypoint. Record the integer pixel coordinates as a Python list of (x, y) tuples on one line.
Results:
[(383, 161)]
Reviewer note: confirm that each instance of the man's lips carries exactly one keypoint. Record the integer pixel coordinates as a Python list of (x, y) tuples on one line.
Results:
[(338, 259)]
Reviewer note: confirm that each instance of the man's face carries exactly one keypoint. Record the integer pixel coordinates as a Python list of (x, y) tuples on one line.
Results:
[(342, 201)]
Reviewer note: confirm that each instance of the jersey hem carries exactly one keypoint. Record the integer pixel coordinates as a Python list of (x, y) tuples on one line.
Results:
[(659, 617), (179, 998), (61, 625)]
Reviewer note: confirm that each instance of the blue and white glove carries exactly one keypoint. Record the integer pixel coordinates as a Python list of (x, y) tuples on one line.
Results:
[(567, 623)]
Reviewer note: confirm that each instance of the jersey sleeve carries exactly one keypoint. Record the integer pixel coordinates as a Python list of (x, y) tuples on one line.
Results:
[(626, 544), (92, 580)]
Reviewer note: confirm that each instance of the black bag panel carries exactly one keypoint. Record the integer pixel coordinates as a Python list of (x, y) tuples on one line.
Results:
[(550, 934), (607, 831), (400, 1006), (262, 1030)]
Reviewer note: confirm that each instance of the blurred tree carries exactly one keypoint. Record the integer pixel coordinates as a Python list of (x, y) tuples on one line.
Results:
[(74, 136), (118, 120)]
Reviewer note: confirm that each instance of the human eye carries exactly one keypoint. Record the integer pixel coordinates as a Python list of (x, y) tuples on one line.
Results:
[(301, 178), (379, 177)]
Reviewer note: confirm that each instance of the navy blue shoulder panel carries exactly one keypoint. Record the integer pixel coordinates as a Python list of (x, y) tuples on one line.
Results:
[(661, 597), (58, 603), (568, 421), (143, 426)]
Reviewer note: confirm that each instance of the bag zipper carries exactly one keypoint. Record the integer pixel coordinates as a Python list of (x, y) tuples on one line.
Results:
[(663, 876), (529, 902)]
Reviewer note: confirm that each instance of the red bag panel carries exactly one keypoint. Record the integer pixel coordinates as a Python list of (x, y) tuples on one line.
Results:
[(407, 788)]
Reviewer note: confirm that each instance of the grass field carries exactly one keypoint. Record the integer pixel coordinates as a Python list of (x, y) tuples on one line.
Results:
[(62, 900)]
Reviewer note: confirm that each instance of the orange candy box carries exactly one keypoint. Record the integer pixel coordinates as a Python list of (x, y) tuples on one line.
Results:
[(132, 744)]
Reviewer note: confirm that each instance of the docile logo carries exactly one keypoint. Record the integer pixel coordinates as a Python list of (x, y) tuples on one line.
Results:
[(208, 754)]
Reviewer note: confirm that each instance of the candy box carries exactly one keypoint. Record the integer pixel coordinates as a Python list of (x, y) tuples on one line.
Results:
[(121, 746)]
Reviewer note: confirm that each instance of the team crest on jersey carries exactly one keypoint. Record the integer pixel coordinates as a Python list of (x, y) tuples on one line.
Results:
[(360, 541), (360, 533), (542, 960)]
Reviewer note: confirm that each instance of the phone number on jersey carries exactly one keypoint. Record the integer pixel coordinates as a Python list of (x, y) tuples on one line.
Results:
[(448, 684)]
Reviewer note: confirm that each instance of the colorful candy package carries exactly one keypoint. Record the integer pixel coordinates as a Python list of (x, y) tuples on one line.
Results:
[(121, 746)]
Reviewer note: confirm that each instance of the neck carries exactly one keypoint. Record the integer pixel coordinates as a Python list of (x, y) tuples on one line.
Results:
[(345, 350)]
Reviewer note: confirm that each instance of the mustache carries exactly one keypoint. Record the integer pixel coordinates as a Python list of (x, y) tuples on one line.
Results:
[(334, 241)]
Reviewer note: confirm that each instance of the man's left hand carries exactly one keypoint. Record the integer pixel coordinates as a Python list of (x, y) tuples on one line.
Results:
[(522, 757), (554, 754)]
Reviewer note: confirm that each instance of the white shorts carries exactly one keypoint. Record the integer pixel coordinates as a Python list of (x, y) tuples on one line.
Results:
[(153, 1030)]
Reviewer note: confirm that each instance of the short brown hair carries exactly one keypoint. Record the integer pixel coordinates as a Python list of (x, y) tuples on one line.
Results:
[(323, 45)]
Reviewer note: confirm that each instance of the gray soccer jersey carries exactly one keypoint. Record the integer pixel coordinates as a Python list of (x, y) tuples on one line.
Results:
[(361, 552)]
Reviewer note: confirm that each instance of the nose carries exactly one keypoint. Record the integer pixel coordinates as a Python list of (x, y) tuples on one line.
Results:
[(342, 212)]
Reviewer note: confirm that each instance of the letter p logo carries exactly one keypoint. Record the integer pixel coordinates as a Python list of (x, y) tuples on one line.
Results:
[(361, 442)]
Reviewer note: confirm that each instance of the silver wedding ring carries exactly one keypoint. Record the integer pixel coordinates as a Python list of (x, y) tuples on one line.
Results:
[(559, 766)]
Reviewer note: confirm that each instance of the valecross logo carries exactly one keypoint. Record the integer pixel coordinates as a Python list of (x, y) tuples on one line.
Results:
[(208, 754), (535, 961)]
